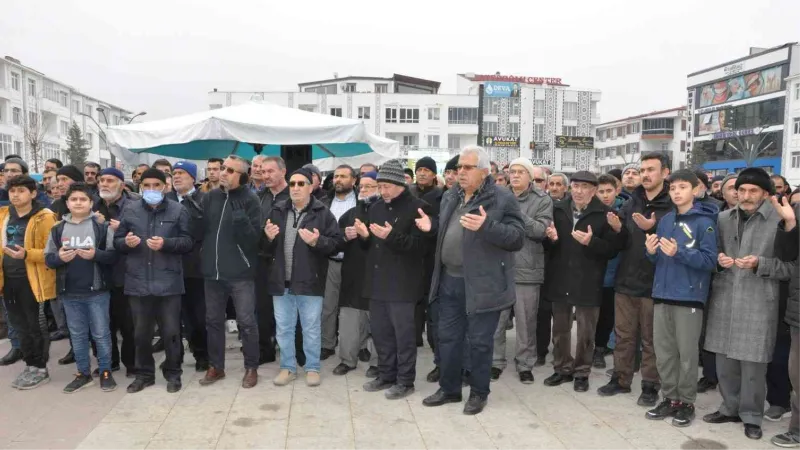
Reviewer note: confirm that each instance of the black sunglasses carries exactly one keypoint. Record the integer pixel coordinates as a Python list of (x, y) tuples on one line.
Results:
[(297, 184)]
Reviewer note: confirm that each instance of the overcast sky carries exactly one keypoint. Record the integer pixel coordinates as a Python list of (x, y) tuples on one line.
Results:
[(163, 56)]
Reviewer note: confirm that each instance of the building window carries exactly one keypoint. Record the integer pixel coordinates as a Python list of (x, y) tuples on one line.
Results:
[(17, 147), (796, 125), (594, 109), (350, 87), (16, 115), (336, 112), (454, 141), (76, 106), (569, 131), (538, 108), (216, 106), (632, 128), (491, 106), (433, 140), (2, 114), (363, 112), (568, 158), (433, 113), (683, 146), (15, 81), (32, 118), (538, 132), (410, 140), (665, 147), (462, 116), (409, 115), (571, 110), (62, 99), (31, 88), (5, 145), (88, 110), (621, 131), (490, 128), (308, 108), (90, 140), (63, 129), (795, 160), (381, 88), (683, 125), (513, 129), (796, 91), (391, 115), (514, 106), (658, 126)]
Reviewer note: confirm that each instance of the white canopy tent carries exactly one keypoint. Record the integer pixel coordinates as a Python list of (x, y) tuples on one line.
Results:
[(235, 129)]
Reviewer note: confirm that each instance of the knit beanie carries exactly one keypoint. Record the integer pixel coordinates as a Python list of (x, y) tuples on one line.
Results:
[(635, 167), (112, 171), (451, 165), (22, 164), (616, 173), (524, 162), (728, 177), (392, 172), (305, 172), (315, 170), (152, 173), (188, 167), (70, 172), (426, 162), (703, 177), (756, 176)]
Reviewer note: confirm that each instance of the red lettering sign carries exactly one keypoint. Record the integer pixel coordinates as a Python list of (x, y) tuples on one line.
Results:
[(520, 79)]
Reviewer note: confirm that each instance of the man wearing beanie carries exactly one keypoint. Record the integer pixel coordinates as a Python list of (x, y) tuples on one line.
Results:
[(743, 310), (392, 282), (450, 172), (193, 303), (703, 195), (425, 188), (631, 179), (316, 174), (154, 233)]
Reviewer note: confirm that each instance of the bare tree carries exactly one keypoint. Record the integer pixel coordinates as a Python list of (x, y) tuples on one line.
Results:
[(34, 131)]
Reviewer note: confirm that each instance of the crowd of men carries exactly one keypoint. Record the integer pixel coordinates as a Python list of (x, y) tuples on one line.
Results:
[(666, 270)]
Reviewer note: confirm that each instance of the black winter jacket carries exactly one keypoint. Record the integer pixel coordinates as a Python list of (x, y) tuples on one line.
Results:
[(192, 267), (635, 271), (568, 260), (351, 292), (787, 248), (309, 264), (232, 230), (149, 272), (113, 211), (433, 197), (395, 268)]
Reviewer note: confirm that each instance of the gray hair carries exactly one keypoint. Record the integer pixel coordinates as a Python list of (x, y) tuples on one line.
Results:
[(259, 158), (277, 160), (244, 161), (544, 172), (564, 178), (484, 162)]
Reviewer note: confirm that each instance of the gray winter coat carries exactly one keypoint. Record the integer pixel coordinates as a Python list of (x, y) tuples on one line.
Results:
[(743, 309), (537, 212), (787, 245)]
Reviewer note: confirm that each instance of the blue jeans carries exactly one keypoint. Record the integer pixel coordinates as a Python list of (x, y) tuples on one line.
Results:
[(12, 333), (85, 315), (287, 307)]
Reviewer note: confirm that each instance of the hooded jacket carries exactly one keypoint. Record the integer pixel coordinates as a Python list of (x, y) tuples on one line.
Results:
[(41, 278), (80, 276), (635, 271), (686, 276), (113, 211)]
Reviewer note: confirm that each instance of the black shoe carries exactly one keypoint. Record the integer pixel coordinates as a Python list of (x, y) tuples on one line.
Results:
[(96, 372), (433, 375), (11, 357), (439, 398), (649, 396), (705, 385), (201, 366), (684, 416), (718, 417), (69, 358), (526, 377), (58, 335), (474, 405), (613, 388), (599, 359), (581, 384), (465, 378), (130, 373), (81, 381), (342, 369), (139, 384), (158, 346), (174, 386), (364, 355), (372, 372), (667, 408), (398, 391), (265, 359), (325, 354), (107, 383), (557, 379), (753, 431), (540, 361), (496, 373)]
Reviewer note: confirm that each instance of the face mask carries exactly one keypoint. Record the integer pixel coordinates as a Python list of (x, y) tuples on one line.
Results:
[(153, 197)]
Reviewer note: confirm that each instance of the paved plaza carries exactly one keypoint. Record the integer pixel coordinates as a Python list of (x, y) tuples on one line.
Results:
[(339, 414)]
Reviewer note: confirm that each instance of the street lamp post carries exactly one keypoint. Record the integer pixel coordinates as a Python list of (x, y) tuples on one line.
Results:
[(137, 115)]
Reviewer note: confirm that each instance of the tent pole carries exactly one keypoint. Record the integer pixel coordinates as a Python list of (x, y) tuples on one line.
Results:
[(235, 147), (326, 150)]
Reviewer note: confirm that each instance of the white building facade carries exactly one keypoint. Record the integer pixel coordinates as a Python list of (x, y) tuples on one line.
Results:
[(427, 123), (791, 157), (624, 141), (42, 108)]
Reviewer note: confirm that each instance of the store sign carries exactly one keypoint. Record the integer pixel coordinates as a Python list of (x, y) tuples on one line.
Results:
[(500, 141), (500, 89), (519, 79), (733, 69), (575, 142), (542, 162), (737, 133), (541, 145)]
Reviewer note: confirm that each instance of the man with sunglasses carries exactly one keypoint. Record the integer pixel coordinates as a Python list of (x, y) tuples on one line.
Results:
[(231, 232)]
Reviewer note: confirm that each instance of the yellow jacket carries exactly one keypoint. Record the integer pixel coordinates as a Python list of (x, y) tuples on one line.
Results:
[(41, 278)]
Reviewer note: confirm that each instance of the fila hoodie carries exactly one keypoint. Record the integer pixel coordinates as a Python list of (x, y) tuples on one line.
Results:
[(80, 277)]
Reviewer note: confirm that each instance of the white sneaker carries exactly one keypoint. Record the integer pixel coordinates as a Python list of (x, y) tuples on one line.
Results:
[(231, 326)]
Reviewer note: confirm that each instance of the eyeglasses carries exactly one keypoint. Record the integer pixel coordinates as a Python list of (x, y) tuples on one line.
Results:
[(466, 167), (516, 172), (12, 171), (230, 170), (539, 180), (297, 184)]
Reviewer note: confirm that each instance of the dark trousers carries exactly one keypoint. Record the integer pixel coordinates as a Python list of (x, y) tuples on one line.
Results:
[(544, 324), (778, 386), (244, 299), (193, 308), (433, 330), (708, 359), (605, 322), (166, 313), (265, 314), (586, 317), (122, 323), (457, 329), (394, 336), (23, 313), (419, 320)]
